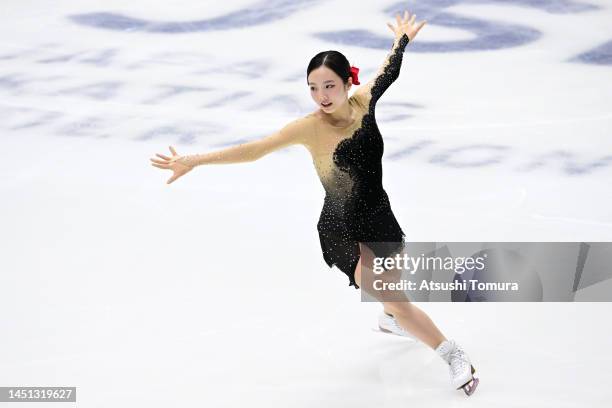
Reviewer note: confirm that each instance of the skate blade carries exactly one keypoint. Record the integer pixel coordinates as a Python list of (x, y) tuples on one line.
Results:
[(385, 331), (470, 386)]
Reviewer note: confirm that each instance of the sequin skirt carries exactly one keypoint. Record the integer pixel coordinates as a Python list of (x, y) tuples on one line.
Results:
[(340, 236)]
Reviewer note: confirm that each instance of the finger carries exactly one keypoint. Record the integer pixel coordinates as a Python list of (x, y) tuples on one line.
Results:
[(171, 179), (172, 150), (413, 19), (398, 19), (159, 161), (391, 27), (406, 15), (161, 166), (421, 25), (162, 156)]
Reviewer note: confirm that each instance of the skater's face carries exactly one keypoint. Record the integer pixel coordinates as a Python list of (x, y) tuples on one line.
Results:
[(327, 89)]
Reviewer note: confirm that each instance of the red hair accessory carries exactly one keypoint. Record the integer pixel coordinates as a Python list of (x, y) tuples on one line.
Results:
[(354, 72)]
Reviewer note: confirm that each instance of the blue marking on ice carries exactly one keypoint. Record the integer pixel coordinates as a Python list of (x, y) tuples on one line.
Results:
[(260, 13), (601, 55)]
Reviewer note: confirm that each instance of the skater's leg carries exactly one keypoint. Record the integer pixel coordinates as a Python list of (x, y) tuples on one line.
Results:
[(415, 321), (407, 315)]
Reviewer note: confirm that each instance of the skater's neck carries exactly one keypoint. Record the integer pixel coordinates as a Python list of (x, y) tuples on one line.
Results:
[(341, 117)]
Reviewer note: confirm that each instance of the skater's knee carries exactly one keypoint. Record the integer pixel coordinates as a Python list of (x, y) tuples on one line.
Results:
[(382, 286), (374, 283)]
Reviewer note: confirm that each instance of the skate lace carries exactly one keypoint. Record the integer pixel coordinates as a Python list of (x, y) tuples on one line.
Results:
[(456, 359), (458, 362)]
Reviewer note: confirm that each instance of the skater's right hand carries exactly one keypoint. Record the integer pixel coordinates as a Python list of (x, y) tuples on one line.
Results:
[(179, 169)]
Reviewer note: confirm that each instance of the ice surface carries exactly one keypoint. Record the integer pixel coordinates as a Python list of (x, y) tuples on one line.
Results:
[(140, 293)]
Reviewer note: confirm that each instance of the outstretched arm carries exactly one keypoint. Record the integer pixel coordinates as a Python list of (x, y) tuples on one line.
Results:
[(295, 132), (406, 30)]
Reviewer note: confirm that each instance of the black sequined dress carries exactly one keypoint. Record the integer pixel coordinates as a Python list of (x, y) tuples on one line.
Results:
[(356, 207)]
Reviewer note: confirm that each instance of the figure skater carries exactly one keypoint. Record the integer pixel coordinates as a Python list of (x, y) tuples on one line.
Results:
[(356, 222)]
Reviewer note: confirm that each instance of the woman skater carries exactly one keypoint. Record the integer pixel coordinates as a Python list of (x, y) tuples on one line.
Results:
[(356, 222)]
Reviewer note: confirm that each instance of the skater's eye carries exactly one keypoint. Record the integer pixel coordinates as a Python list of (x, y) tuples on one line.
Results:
[(329, 86)]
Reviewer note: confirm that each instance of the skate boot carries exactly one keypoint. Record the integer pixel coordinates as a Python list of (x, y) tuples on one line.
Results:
[(460, 367), (388, 324)]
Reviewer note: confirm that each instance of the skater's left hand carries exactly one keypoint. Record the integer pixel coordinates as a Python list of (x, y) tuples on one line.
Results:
[(406, 25)]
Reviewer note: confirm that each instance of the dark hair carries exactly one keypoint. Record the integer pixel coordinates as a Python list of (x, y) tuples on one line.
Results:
[(333, 60)]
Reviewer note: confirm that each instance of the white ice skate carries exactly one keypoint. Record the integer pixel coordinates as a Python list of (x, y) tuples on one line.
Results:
[(388, 324), (460, 367)]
